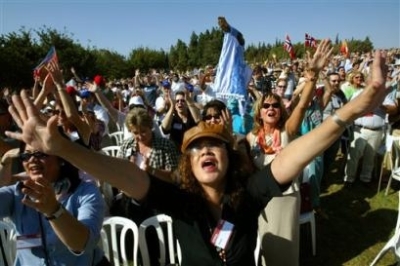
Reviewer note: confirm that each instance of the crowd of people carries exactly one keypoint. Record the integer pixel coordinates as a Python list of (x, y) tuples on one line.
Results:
[(189, 154)]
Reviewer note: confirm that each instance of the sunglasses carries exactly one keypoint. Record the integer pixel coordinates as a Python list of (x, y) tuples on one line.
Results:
[(268, 105), (180, 101), (211, 145), (334, 80), (209, 117), (26, 156)]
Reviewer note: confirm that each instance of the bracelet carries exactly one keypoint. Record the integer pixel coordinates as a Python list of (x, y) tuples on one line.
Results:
[(338, 120), (56, 214)]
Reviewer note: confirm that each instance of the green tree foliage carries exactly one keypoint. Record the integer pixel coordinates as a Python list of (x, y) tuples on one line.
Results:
[(21, 51)]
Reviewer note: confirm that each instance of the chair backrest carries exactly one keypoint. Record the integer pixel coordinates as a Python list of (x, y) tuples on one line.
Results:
[(395, 149), (156, 221), (8, 242), (117, 228), (117, 137), (111, 150)]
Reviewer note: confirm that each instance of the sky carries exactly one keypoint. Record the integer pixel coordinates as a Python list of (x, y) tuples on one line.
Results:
[(124, 25)]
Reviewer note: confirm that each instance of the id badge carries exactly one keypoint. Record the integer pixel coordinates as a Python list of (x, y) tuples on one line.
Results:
[(222, 234), (29, 241)]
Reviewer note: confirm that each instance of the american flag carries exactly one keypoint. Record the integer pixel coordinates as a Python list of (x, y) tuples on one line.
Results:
[(310, 41), (289, 47), (40, 69)]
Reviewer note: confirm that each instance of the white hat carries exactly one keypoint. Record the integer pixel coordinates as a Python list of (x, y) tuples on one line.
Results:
[(136, 100)]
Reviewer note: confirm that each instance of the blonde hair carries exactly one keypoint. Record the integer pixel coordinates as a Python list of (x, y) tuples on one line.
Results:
[(138, 117), (258, 123)]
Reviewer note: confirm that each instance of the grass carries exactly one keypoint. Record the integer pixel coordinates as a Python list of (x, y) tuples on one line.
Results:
[(360, 222)]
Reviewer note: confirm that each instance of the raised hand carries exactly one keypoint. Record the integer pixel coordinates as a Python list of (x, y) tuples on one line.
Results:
[(55, 72), (226, 119), (321, 56), (35, 132)]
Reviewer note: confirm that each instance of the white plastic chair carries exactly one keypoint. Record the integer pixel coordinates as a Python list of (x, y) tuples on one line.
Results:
[(393, 149), (155, 221), (116, 228), (309, 217), (8, 242), (111, 150), (393, 243), (117, 137), (257, 250)]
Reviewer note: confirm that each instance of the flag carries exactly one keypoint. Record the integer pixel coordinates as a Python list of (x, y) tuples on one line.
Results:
[(289, 47), (310, 41), (40, 70), (344, 49)]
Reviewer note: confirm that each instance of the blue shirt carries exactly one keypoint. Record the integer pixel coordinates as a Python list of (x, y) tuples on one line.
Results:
[(85, 203)]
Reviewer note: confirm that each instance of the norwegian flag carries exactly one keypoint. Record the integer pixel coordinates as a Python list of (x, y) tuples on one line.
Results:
[(310, 41), (289, 47)]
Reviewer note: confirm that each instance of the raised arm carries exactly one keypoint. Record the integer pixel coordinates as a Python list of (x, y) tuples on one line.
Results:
[(319, 60), (288, 163), (102, 99), (119, 173), (69, 106)]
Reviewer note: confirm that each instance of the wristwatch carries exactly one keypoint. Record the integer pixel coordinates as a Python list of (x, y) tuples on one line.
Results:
[(56, 214)]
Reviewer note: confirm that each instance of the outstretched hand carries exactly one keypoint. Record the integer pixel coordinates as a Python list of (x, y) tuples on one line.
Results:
[(35, 132), (321, 56)]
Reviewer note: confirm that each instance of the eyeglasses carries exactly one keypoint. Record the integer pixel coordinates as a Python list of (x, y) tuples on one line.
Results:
[(180, 101), (211, 145), (26, 156), (334, 80), (357, 77), (209, 117), (268, 105)]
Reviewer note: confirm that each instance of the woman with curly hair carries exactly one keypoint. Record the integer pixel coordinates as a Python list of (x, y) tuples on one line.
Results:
[(215, 212)]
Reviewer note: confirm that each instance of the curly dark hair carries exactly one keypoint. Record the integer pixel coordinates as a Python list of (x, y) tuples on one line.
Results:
[(236, 175)]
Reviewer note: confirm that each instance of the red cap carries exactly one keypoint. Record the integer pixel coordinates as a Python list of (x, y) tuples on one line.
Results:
[(70, 90), (99, 80)]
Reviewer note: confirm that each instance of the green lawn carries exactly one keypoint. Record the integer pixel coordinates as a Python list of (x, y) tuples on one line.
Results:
[(359, 224)]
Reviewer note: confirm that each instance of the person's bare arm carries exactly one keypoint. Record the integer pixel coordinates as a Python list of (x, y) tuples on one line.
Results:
[(102, 99), (288, 164), (120, 173), (167, 120), (69, 107), (319, 60)]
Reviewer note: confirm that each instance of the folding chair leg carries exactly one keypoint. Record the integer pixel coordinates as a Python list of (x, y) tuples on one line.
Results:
[(389, 184)]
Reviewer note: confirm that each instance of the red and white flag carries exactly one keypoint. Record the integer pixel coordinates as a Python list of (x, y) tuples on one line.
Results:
[(310, 41), (344, 49), (289, 47)]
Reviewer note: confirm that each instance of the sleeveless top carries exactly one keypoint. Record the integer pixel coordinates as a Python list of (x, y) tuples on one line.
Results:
[(260, 159)]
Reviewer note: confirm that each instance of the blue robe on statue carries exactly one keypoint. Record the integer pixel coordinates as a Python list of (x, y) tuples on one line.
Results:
[(233, 74)]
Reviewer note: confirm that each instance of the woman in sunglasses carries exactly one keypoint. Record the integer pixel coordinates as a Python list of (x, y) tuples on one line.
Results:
[(57, 216), (273, 130)]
